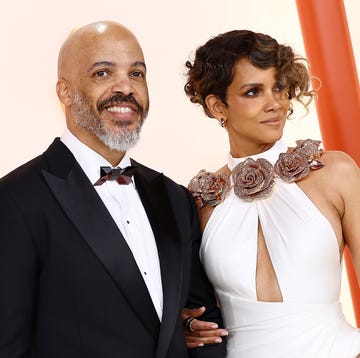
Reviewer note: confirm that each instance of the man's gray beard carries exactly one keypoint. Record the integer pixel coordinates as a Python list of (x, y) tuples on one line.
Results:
[(85, 117)]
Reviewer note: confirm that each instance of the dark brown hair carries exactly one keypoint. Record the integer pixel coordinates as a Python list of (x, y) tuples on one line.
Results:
[(213, 68)]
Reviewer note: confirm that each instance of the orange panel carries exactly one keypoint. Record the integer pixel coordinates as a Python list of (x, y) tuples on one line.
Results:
[(328, 48)]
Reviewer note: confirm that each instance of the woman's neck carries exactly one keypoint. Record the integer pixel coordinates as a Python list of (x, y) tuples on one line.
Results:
[(249, 150)]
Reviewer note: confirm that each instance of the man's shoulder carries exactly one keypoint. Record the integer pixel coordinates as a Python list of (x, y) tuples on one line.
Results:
[(145, 169), (153, 174), (25, 173)]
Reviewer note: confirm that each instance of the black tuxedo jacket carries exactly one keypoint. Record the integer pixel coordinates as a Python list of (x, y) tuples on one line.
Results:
[(69, 285)]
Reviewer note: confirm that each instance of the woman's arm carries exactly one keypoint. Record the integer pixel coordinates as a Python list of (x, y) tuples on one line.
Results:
[(348, 181), (198, 332)]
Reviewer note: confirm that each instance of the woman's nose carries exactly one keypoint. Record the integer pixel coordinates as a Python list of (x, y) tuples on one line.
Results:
[(273, 101)]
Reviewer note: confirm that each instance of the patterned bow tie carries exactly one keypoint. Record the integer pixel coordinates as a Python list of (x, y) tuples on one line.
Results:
[(122, 176)]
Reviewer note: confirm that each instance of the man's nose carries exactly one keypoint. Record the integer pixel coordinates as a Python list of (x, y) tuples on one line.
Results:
[(122, 85)]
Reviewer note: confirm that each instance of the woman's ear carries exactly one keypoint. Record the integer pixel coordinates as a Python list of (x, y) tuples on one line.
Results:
[(215, 106), (63, 91)]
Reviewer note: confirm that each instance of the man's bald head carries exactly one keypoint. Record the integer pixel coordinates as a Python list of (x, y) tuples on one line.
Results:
[(82, 40), (102, 85)]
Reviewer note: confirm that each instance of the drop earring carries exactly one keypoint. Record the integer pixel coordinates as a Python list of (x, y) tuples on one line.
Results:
[(222, 123), (290, 111)]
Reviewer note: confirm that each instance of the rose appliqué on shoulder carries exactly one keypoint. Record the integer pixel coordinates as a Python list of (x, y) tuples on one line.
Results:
[(210, 188), (294, 166)]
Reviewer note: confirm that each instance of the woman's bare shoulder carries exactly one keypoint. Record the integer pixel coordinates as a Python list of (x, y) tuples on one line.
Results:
[(339, 162), (340, 171)]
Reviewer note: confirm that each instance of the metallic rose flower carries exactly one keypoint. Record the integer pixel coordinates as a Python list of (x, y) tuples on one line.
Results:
[(309, 147), (253, 179), (209, 187), (312, 151), (291, 167)]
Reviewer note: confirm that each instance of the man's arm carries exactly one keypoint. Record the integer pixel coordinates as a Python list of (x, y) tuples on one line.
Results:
[(17, 281)]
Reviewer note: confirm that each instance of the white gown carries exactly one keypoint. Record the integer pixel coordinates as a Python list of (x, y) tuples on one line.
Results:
[(304, 251)]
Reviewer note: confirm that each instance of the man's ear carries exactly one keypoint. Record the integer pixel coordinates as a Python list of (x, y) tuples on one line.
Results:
[(63, 91), (215, 106)]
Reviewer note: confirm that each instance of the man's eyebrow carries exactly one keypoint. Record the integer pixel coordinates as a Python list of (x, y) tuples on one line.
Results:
[(101, 63), (139, 63), (112, 64)]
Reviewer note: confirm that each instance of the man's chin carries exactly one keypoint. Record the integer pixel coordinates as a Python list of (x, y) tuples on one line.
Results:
[(121, 141)]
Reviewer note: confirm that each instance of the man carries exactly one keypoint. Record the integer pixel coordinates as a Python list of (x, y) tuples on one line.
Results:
[(98, 267)]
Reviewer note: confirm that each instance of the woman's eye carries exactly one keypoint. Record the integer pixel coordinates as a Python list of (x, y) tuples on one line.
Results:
[(278, 89), (252, 92)]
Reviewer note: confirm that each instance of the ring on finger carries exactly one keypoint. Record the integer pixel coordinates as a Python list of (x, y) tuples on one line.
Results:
[(187, 323)]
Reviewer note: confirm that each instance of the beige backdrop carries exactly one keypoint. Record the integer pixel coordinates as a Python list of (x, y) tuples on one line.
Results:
[(177, 137)]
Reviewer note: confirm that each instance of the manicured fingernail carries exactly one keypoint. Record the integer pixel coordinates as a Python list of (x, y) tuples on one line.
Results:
[(218, 340), (225, 333), (214, 326)]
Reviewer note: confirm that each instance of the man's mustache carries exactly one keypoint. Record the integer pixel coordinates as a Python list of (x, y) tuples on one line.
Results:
[(117, 99)]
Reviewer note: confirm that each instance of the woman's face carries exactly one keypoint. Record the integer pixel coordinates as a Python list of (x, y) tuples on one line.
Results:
[(256, 112)]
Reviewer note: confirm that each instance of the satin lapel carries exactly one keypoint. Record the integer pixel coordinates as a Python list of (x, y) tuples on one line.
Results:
[(155, 198), (99, 230)]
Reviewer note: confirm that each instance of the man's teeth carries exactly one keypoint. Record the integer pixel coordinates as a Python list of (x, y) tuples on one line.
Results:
[(119, 109)]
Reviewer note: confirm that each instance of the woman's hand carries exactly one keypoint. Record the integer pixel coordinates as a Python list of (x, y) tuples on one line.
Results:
[(198, 333)]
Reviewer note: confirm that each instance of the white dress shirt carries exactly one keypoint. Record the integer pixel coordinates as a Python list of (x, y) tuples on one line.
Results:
[(124, 205)]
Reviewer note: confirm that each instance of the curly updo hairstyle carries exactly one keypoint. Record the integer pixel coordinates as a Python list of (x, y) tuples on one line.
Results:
[(212, 71)]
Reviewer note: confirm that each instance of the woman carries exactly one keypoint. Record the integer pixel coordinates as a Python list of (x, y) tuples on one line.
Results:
[(275, 220)]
